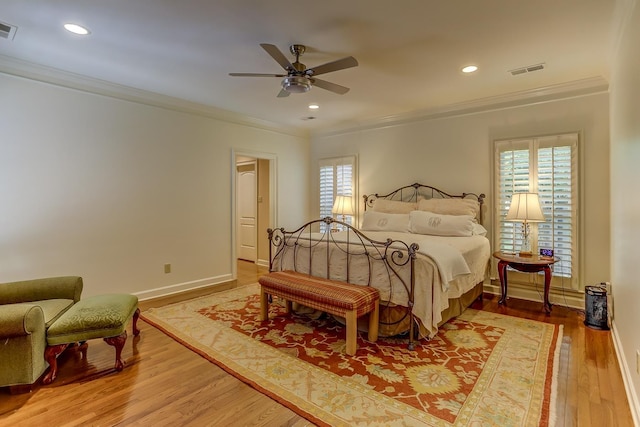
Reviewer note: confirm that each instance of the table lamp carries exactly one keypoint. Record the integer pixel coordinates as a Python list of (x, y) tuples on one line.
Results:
[(525, 208), (343, 206)]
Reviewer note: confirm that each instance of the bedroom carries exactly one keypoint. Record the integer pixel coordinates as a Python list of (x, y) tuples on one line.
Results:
[(150, 189)]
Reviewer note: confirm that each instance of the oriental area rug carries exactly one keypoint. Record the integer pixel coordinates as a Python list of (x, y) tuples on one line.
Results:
[(481, 369)]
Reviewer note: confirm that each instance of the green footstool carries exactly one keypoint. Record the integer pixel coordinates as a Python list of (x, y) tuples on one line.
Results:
[(102, 316)]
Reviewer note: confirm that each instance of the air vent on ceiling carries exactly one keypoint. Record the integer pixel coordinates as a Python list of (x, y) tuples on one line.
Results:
[(527, 69), (7, 31)]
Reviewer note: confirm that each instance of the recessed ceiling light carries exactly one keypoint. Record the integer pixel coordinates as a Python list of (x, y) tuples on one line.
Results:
[(76, 29), (469, 69), (313, 106)]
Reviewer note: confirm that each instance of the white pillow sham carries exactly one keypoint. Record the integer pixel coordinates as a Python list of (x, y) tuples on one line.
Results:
[(393, 206), (479, 230), (450, 206), (382, 221), (423, 222)]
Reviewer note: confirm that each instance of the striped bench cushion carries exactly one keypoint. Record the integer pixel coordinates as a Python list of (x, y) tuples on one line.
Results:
[(321, 294)]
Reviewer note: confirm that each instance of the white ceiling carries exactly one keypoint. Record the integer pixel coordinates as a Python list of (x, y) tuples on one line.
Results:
[(410, 52)]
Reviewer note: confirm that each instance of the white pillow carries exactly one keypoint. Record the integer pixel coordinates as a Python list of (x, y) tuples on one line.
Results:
[(381, 221), (423, 222), (479, 230), (450, 206), (393, 206)]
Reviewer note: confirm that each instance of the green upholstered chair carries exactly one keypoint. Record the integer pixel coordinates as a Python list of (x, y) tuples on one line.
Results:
[(27, 309)]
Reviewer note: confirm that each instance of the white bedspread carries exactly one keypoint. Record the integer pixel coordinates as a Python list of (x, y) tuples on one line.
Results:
[(445, 267), (448, 258)]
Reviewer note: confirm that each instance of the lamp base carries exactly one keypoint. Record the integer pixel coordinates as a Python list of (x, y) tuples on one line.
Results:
[(525, 254)]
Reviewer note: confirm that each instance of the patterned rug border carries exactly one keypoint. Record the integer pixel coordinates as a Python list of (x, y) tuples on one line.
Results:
[(306, 409)]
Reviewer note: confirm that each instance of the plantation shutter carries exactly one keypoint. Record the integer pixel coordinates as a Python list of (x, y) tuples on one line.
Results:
[(557, 189), (513, 177), (337, 177), (547, 166)]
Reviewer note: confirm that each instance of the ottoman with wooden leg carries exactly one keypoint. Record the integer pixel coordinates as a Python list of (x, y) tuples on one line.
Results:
[(101, 316)]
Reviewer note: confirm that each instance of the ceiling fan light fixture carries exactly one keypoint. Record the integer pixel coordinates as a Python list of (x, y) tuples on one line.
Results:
[(296, 84)]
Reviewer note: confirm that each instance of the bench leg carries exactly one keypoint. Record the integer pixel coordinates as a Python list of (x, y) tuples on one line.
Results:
[(51, 354), (264, 305), (82, 348), (136, 315), (374, 317), (352, 332), (118, 342)]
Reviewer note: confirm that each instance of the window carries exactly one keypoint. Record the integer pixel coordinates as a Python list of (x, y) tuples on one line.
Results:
[(337, 177), (547, 166)]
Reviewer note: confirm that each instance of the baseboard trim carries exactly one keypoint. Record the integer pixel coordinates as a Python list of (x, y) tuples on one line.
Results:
[(262, 263), (627, 379), (567, 298), (183, 291)]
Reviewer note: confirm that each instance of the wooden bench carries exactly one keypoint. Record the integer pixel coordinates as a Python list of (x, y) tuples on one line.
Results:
[(334, 297)]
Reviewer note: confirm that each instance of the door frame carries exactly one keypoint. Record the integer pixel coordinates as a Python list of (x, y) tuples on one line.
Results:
[(273, 211)]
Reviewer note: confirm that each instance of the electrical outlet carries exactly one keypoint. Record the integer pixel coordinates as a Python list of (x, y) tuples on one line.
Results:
[(167, 268)]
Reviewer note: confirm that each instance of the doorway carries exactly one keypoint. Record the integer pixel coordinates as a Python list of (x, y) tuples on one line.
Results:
[(247, 210), (253, 205)]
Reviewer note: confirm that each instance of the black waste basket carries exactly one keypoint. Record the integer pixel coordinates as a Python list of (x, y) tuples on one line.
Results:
[(595, 301)]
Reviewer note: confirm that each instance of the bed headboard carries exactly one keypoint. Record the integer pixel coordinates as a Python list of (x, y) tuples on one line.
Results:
[(416, 192)]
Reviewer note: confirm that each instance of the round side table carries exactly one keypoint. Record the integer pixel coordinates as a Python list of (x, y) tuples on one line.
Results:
[(529, 264)]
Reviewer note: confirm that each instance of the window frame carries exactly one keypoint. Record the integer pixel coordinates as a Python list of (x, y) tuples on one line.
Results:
[(335, 163), (560, 277)]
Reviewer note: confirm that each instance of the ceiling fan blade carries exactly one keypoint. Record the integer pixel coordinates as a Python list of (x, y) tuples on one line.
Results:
[(256, 75), (340, 64), (278, 56), (283, 93), (340, 90)]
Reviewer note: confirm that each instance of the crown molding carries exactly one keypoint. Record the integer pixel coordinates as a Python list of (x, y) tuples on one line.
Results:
[(28, 70), (577, 88), (31, 71)]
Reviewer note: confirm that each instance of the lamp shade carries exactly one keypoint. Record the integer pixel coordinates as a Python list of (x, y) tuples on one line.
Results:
[(343, 205), (525, 207)]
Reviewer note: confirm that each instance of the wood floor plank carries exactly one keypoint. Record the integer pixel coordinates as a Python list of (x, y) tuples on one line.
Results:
[(164, 383)]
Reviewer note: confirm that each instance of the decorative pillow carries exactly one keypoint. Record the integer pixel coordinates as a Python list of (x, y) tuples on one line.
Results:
[(381, 221), (450, 206), (393, 206), (423, 222)]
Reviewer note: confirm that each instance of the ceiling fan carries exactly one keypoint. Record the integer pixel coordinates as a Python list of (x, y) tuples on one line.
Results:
[(299, 78)]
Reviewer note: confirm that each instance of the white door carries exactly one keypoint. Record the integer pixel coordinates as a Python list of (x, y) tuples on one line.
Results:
[(246, 211)]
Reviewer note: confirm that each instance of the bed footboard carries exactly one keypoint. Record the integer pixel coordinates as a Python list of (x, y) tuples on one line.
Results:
[(343, 253)]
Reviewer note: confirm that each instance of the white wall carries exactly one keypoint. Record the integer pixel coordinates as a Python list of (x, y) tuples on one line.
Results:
[(111, 190), (455, 155), (625, 203)]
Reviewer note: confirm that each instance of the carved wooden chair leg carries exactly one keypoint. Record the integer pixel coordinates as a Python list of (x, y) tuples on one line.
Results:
[(118, 342), (51, 354), (136, 315)]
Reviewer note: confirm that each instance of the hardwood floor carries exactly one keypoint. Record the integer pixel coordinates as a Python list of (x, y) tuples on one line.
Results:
[(164, 383)]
